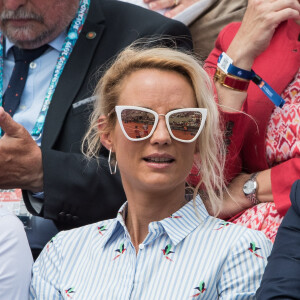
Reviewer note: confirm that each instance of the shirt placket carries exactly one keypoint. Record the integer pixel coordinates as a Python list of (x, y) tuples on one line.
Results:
[(140, 267)]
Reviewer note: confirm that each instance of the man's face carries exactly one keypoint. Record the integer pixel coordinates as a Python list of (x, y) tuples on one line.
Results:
[(33, 23)]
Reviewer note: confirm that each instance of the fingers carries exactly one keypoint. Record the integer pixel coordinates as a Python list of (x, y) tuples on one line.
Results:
[(258, 26), (287, 9), (175, 11), (8, 125), (161, 4), (279, 11), (280, 5), (285, 14)]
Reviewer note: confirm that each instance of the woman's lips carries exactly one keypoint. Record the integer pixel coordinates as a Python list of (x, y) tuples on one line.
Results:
[(159, 161)]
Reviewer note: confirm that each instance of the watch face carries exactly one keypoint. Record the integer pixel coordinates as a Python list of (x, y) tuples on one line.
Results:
[(249, 187)]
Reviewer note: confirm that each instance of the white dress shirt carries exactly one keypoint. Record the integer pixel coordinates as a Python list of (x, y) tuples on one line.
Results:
[(15, 258), (182, 257), (37, 83)]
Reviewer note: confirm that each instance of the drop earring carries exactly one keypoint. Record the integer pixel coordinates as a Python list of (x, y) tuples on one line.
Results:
[(112, 162)]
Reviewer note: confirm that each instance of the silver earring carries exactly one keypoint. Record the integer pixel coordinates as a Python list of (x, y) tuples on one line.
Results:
[(112, 162)]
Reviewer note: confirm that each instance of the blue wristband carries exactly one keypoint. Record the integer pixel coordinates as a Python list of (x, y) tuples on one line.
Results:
[(225, 63), (268, 91)]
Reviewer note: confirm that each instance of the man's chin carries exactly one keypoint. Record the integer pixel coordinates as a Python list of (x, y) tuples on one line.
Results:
[(25, 37)]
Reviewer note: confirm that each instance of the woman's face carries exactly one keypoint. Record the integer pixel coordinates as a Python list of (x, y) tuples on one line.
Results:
[(161, 91)]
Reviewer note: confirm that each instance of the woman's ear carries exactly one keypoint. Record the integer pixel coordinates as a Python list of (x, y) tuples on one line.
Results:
[(105, 135)]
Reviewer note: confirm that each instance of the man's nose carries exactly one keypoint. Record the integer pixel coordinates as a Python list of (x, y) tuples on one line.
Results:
[(13, 4)]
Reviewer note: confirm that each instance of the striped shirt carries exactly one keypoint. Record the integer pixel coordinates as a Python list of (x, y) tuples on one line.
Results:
[(187, 255)]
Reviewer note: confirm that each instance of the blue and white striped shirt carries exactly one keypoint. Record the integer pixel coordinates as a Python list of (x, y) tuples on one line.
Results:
[(182, 257)]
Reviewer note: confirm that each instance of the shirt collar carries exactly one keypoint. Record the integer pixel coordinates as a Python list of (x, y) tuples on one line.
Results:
[(56, 44), (177, 226), (112, 227), (180, 224)]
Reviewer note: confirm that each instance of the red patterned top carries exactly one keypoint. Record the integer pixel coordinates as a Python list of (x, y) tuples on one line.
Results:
[(283, 133), (282, 143)]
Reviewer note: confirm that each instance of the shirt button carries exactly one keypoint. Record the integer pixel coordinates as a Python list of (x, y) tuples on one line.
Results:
[(141, 246), (32, 65)]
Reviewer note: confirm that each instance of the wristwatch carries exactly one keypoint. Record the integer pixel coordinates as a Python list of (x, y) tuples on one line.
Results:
[(250, 188)]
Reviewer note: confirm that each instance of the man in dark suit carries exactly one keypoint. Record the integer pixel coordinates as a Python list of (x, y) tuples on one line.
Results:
[(74, 192), (281, 279)]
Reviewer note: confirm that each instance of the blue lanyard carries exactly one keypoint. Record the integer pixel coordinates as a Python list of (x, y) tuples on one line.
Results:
[(64, 55), (225, 63)]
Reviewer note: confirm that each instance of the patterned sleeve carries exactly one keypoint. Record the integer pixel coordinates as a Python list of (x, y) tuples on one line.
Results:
[(244, 267), (46, 271)]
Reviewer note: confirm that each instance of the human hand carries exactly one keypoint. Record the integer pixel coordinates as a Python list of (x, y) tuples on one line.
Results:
[(235, 200), (20, 157), (175, 6), (258, 26)]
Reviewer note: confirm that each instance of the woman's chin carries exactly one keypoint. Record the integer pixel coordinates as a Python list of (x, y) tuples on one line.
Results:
[(160, 182)]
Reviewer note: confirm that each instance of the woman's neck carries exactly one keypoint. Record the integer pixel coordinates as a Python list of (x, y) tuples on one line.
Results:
[(144, 208)]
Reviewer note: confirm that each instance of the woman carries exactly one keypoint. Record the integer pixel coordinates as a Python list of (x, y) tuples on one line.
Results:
[(160, 245), (262, 137)]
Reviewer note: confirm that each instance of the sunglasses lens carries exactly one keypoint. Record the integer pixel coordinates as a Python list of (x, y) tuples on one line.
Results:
[(185, 125), (137, 124)]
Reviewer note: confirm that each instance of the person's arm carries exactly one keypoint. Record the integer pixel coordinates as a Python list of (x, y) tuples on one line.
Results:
[(274, 185), (175, 6), (77, 192), (15, 259), (75, 184), (281, 279), (20, 157), (253, 37), (244, 267), (235, 199)]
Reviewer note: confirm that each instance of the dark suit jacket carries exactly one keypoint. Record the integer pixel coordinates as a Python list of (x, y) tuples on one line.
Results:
[(77, 192), (281, 279)]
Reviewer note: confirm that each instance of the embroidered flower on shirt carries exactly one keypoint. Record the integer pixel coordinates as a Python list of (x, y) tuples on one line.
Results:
[(121, 250), (102, 228), (49, 243), (174, 217), (69, 292), (223, 224), (253, 249), (167, 251), (201, 288)]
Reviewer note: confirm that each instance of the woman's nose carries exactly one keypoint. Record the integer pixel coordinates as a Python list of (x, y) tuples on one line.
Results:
[(161, 134)]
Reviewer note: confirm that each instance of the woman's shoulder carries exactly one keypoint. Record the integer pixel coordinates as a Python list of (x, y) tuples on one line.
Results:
[(85, 232), (238, 235)]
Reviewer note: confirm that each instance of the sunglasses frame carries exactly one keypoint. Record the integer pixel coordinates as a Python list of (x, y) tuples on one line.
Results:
[(120, 108)]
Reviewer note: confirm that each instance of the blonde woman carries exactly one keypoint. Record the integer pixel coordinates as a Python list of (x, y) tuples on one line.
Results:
[(162, 244)]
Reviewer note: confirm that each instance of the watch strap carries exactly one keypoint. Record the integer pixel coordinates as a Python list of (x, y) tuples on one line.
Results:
[(252, 196), (231, 81)]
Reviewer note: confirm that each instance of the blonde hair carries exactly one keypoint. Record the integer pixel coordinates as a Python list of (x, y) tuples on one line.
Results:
[(210, 147)]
